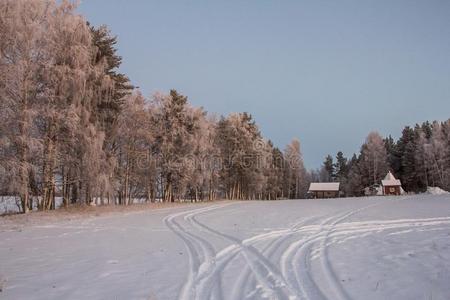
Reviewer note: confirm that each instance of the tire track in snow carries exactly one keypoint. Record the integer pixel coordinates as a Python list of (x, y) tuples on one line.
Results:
[(238, 292), (330, 275), (207, 276), (348, 231), (243, 281), (281, 236), (295, 280), (338, 290), (300, 272), (267, 274), (192, 242), (295, 259)]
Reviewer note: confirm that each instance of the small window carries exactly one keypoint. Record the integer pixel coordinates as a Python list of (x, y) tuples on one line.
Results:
[(392, 189)]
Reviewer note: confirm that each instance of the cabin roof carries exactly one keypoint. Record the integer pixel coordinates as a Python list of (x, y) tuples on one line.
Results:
[(390, 180), (324, 186), (395, 182)]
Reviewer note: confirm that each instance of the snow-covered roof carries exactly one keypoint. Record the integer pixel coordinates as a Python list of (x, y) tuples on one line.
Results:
[(390, 180), (324, 186), (395, 182)]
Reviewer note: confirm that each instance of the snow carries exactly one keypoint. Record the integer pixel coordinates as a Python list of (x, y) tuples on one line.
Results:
[(347, 248), (11, 204), (434, 190), (324, 186)]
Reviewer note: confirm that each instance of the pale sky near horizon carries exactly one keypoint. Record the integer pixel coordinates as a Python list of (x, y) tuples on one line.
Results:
[(326, 72)]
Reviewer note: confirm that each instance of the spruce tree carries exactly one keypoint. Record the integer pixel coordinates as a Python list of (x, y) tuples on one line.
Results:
[(394, 158), (341, 167), (406, 151), (329, 169)]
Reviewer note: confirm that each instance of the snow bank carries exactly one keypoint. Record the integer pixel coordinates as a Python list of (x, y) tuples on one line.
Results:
[(434, 190), (11, 204)]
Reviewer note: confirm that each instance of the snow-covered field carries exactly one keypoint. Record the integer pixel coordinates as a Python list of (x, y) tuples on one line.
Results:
[(354, 248)]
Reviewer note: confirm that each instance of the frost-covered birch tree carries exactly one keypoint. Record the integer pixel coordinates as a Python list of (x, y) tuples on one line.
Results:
[(24, 57), (49, 89), (373, 163), (296, 174)]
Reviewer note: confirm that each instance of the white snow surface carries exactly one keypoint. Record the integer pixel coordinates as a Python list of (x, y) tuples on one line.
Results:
[(347, 248), (434, 190)]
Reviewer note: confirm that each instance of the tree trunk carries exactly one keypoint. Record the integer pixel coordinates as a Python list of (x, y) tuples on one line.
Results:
[(48, 169), (126, 184), (23, 153)]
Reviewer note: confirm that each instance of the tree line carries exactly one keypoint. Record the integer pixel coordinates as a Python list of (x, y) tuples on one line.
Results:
[(72, 126), (420, 158)]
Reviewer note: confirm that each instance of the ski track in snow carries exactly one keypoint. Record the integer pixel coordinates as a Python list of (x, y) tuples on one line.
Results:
[(303, 243), (197, 248), (243, 283)]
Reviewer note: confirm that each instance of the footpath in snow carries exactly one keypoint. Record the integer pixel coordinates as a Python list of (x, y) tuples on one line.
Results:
[(349, 248)]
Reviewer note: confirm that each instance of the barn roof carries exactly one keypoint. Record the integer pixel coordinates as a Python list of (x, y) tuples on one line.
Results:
[(324, 186), (390, 180)]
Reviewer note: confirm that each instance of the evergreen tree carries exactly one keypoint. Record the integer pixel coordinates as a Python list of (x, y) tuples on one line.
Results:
[(354, 186), (241, 148), (110, 102), (328, 169), (427, 129), (276, 179), (406, 151), (341, 167), (176, 126), (394, 158)]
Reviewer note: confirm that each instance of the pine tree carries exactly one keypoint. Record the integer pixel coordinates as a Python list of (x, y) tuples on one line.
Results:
[(355, 184), (176, 129), (328, 169), (393, 156), (241, 148), (275, 176), (110, 102), (341, 167), (427, 129), (406, 151)]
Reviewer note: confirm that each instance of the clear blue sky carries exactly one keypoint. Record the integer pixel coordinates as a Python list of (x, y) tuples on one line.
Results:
[(327, 72)]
